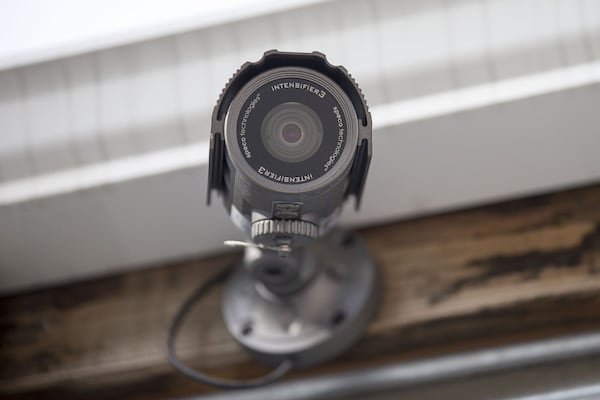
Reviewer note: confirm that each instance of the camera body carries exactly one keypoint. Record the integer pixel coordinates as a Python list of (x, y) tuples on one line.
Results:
[(290, 141)]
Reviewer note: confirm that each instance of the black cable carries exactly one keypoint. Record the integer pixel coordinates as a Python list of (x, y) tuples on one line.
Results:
[(282, 369)]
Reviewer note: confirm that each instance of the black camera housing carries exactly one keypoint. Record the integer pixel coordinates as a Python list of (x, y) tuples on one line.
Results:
[(258, 184)]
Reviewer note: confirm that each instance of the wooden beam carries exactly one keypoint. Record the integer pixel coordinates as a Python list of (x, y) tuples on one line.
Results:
[(496, 274)]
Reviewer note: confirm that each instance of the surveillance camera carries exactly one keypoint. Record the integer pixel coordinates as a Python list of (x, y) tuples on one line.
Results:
[(290, 141)]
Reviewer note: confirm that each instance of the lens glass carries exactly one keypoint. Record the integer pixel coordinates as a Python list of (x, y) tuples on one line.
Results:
[(292, 132), (290, 129)]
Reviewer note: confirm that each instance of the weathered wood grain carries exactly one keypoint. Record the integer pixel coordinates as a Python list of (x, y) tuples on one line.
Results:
[(494, 274)]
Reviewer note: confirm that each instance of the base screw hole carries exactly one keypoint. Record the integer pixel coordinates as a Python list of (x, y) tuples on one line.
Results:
[(247, 329), (348, 240), (338, 318)]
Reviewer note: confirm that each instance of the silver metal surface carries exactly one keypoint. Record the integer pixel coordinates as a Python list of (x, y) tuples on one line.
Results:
[(309, 306), (438, 369), (283, 227)]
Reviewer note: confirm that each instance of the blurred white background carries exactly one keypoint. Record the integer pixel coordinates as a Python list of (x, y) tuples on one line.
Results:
[(105, 107)]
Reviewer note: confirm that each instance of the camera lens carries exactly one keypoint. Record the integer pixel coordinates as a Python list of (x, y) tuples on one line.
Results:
[(292, 132), (291, 126)]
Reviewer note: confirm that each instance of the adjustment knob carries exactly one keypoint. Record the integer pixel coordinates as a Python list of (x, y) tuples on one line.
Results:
[(275, 232)]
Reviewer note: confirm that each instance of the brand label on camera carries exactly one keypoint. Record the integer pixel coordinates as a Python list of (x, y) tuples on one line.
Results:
[(340, 139), (244, 124), (300, 86), (282, 178)]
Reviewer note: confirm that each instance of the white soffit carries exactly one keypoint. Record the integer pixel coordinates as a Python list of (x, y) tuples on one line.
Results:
[(33, 31), (384, 116)]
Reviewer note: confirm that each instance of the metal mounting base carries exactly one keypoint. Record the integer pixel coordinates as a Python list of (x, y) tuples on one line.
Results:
[(310, 306)]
